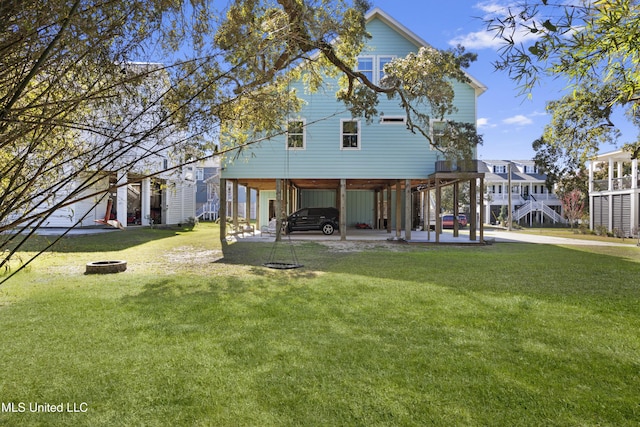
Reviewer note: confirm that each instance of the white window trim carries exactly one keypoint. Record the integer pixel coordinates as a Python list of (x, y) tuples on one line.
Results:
[(304, 135), (377, 69), (359, 134), (373, 66), (433, 134), (380, 68)]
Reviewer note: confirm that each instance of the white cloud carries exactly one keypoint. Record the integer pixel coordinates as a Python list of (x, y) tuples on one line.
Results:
[(485, 39), (483, 123), (477, 40), (518, 120)]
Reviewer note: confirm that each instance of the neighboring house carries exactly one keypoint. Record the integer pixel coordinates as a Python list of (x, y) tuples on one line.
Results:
[(532, 202), (614, 193), (208, 188), (137, 180), (373, 172), (166, 198)]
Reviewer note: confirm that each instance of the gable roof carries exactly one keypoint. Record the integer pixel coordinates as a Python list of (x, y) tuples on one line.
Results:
[(416, 40)]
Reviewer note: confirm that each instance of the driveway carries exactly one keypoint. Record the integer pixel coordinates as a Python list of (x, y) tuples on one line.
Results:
[(514, 236)]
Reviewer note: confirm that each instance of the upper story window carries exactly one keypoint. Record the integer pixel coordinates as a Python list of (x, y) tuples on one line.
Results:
[(499, 169), (365, 66), (382, 61), (296, 135), (530, 169), (350, 134), (437, 132), (200, 174), (373, 66)]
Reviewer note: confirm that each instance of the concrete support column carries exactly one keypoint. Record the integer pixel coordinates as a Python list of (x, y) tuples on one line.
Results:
[(121, 198), (222, 211), (456, 191), (428, 214), (278, 208), (408, 209), (258, 207), (389, 209), (473, 205), (398, 209), (235, 202), (145, 203), (438, 209)]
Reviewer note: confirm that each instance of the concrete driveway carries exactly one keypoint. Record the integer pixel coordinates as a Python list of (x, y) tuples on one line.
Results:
[(490, 235)]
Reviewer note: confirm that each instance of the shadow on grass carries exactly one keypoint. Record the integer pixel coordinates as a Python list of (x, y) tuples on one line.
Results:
[(100, 242), (529, 269), (310, 256)]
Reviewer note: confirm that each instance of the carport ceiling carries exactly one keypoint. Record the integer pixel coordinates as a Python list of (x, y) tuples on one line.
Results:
[(441, 179), (321, 184)]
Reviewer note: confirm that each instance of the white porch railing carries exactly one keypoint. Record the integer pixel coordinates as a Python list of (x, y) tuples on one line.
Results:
[(208, 211), (538, 206)]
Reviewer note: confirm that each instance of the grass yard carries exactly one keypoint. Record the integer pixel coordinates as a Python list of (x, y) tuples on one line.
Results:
[(384, 334)]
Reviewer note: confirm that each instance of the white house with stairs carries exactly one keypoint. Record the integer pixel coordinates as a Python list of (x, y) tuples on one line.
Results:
[(532, 203)]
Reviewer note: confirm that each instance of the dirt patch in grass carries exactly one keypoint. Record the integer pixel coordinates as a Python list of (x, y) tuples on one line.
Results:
[(360, 246), (187, 255)]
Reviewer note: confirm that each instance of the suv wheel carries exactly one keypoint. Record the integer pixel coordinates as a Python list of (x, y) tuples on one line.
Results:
[(327, 228)]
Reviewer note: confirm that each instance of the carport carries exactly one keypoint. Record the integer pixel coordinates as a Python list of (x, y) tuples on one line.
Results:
[(392, 198)]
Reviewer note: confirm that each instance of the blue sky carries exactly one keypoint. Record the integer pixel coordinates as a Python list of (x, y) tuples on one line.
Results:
[(509, 122)]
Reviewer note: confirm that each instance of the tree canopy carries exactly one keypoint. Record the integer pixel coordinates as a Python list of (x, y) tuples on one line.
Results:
[(95, 86), (594, 46)]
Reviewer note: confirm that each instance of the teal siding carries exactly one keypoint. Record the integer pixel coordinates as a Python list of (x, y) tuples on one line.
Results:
[(317, 198), (387, 151), (360, 207), (265, 197)]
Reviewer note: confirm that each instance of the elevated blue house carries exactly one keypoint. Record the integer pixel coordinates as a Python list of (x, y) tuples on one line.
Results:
[(375, 173)]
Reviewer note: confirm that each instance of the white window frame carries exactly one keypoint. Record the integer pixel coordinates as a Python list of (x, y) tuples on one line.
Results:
[(199, 174), (499, 169), (377, 68), (434, 124), (373, 66), (380, 65), (304, 134), (358, 134)]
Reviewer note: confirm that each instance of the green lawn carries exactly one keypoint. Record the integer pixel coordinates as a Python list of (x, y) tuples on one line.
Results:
[(198, 334)]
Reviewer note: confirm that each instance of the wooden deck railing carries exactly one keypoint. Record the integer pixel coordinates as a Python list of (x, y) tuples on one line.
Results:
[(457, 165)]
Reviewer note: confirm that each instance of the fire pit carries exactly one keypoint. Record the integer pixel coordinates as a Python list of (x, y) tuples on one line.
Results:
[(106, 267)]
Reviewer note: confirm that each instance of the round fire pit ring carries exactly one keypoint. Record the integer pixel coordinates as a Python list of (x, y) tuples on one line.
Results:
[(106, 267)]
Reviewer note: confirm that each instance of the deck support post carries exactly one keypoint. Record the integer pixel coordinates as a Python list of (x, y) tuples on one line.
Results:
[(343, 209)]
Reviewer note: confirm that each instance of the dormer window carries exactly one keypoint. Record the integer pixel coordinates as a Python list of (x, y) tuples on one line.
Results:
[(499, 169)]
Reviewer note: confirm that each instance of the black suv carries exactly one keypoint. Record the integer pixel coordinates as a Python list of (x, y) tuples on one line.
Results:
[(306, 219)]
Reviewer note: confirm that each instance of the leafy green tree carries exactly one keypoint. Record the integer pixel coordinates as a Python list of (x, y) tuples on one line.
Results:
[(594, 46), (89, 86)]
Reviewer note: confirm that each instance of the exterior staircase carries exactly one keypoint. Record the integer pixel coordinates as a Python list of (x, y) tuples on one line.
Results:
[(208, 211), (533, 205)]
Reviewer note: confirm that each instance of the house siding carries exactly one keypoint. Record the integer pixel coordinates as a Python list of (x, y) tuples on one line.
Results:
[(387, 151)]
